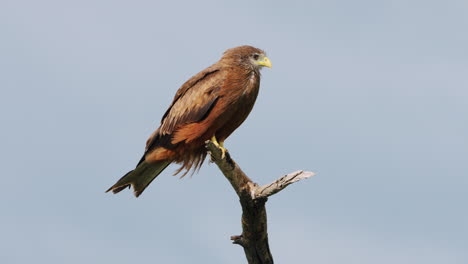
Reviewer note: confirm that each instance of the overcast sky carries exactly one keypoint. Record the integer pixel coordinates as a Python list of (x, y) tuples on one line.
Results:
[(371, 95)]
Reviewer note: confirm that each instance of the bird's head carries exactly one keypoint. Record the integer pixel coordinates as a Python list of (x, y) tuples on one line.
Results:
[(248, 57)]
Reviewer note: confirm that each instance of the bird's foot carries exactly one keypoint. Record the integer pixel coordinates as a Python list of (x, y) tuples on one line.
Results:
[(220, 145)]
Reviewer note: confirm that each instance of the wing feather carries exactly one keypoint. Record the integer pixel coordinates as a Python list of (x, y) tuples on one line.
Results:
[(192, 103), (193, 100)]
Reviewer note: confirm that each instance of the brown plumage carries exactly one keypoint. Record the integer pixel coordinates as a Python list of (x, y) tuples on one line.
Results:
[(213, 103)]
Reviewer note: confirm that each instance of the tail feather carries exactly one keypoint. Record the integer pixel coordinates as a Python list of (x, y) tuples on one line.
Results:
[(140, 177)]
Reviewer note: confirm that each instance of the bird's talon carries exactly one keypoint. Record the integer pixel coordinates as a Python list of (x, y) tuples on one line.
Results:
[(223, 152), (219, 145)]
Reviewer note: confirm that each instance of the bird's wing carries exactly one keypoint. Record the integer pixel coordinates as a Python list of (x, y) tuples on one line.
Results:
[(192, 102)]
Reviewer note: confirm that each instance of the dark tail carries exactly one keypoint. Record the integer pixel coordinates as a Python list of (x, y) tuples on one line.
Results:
[(140, 177)]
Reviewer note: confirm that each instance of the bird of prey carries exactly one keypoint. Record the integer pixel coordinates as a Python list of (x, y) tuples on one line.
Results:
[(209, 106)]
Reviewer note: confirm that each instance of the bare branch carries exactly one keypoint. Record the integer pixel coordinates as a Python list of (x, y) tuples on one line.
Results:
[(237, 240), (232, 172), (278, 185), (254, 237)]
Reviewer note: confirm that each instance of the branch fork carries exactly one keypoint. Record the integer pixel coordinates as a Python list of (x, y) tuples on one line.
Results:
[(254, 238)]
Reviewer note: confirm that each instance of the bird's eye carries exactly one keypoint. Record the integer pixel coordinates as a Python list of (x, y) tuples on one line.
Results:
[(256, 56)]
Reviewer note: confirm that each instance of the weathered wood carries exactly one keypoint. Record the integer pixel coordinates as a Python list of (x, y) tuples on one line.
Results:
[(281, 183), (254, 237)]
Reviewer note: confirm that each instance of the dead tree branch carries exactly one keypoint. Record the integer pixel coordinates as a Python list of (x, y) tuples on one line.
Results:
[(254, 237)]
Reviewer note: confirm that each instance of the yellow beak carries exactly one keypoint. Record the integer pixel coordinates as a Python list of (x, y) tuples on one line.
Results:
[(265, 61)]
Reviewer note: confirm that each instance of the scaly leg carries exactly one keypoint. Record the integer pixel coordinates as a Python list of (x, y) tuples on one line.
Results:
[(219, 145)]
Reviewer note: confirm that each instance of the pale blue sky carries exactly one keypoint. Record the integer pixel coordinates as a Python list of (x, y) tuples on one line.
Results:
[(372, 95)]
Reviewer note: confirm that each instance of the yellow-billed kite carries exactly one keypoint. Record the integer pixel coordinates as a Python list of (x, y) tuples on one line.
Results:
[(209, 106)]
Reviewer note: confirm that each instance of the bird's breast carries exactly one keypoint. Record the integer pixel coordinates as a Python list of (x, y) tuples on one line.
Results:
[(238, 102)]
